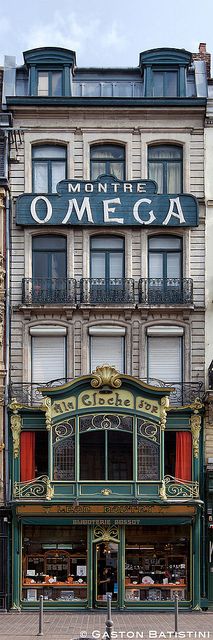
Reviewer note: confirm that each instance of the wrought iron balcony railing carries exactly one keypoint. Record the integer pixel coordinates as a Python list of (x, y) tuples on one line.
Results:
[(184, 392), (41, 291), (175, 488), (107, 291), (38, 488), (170, 291)]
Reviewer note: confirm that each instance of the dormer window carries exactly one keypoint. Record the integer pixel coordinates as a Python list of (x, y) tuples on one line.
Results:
[(165, 72), (50, 83)]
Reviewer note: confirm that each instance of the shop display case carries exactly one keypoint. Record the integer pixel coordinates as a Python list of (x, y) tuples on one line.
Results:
[(155, 577), (57, 575)]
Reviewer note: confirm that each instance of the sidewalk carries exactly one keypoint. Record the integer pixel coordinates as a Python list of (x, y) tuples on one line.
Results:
[(127, 626)]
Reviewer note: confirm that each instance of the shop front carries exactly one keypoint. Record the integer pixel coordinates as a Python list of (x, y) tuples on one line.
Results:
[(141, 561), (110, 512)]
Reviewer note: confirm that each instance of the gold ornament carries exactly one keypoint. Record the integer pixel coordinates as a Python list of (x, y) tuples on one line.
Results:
[(163, 411), (106, 375), (195, 429)]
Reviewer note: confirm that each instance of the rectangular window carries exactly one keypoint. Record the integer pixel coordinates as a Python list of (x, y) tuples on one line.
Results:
[(107, 350), (48, 358), (50, 83), (165, 358), (165, 84)]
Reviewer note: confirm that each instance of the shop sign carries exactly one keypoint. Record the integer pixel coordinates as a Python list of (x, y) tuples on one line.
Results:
[(124, 510), (63, 406), (90, 399), (107, 202)]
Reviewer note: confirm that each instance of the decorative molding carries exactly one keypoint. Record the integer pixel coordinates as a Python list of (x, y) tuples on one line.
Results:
[(162, 491), (2, 446), (195, 429), (105, 534), (46, 407), (37, 488), (2, 276), (106, 492), (16, 424), (163, 411), (106, 375)]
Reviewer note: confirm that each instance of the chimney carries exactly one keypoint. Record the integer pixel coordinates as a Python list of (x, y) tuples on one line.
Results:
[(203, 55)]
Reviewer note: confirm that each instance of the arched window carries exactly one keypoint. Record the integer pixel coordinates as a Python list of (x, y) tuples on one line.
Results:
[(107, 159), (106, 447), (49, 164), (165, 166)]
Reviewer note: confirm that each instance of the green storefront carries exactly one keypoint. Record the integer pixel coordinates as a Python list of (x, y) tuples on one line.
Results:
[(106, 496)]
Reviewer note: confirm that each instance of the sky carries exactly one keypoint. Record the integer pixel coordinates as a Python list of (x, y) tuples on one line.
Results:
[(104, 32)]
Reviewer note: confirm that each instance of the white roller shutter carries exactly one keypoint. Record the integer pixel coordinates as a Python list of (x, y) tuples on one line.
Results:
[(107, 350), (165, 358), (48, 358)]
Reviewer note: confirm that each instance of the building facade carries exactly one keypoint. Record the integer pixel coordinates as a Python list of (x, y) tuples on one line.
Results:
[(107, 302)]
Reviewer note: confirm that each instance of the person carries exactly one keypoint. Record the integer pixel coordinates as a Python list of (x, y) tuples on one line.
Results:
[(107, 581)]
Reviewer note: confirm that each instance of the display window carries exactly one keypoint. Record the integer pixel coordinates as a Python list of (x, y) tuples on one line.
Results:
[(157, 563), (54, 563)]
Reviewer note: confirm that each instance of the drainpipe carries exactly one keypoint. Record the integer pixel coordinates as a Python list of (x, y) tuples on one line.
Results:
[(7, 327)]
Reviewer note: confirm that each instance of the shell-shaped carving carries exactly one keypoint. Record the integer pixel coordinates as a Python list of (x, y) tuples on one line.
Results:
[(106, 375)]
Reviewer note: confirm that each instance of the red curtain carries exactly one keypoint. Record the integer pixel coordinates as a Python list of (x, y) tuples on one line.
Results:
[(27, 455), (183, 461)]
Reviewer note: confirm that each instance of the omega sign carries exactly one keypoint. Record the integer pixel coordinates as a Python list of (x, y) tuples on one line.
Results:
[(107, 201)]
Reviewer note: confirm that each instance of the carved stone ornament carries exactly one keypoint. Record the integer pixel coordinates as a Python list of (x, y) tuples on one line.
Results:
[(48, 413), (162, 491), (195, 429), (2, 275), (50, 490), (106, 375), (163, 411), (16, 424)]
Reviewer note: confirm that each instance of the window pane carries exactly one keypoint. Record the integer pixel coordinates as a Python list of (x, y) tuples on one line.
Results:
[(164, 242), (58, 173), (157, 83), (92, 460), (58, 265), (123, 89), (40, 265), (49, 151), (173, 265), (117, 170), (107, 151), (107, 89), (45, 243), (120, 455), (156, 173), (56, 79), (165, 152), (171, 83), (48, 358), (116, 266), (43, 84), (40, 177), (98, 265), (156, 265), (97, 169), (174, 177), (92, 89), (107, 242)]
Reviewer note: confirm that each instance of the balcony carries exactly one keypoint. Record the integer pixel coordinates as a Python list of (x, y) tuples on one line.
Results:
[(184, 393), (42, 291), (166, 291), (37, 489), (107, 291)]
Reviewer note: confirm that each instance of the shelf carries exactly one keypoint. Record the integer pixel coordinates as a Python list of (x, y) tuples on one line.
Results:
[(38, 585)]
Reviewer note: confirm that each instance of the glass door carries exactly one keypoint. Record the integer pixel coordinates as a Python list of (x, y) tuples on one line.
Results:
[(105, 572)]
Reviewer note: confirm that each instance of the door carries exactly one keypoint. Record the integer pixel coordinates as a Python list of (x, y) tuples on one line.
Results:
[(105, 572)]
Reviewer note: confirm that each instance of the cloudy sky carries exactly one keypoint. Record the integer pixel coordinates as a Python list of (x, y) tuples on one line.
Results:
[(104, 32)]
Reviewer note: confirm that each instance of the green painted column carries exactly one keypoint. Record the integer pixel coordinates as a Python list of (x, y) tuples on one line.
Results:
[(196, 563), (16, 559), (121, 569), (90, 566)]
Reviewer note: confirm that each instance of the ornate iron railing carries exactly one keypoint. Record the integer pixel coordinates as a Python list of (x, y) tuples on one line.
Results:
[(170, 291), (34, 489), (176, 488), (184, 392), (107, 291), (48, 291)]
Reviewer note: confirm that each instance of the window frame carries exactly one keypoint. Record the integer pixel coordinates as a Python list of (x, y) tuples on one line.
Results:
[(49, 253), (165, 253), (164, 71), (107, 252), (164, 162), (109, 160), (49, 72), (49, 161)]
